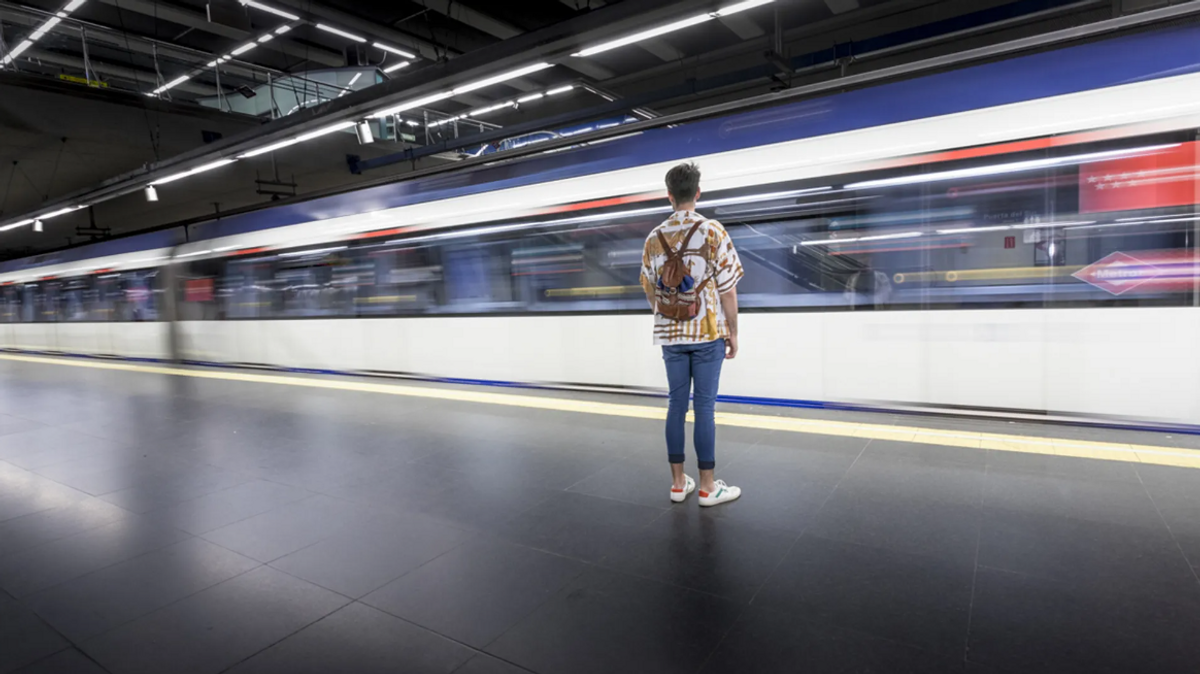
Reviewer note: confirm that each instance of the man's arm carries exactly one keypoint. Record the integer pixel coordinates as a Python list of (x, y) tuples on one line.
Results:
[(730, 308)]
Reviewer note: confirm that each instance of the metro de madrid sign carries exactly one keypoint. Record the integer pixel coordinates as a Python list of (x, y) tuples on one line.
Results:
[(1121, 272)]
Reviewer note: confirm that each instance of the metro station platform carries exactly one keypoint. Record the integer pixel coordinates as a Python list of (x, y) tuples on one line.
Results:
[(156, 519)]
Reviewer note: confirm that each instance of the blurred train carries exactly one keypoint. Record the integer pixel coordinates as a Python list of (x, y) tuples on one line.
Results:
[(1016, 237)]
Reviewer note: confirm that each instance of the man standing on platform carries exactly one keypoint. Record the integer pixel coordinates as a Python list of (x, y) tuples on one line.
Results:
[(690, 273)]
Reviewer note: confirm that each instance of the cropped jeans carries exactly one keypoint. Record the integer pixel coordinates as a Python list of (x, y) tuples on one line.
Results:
[(697, 365)]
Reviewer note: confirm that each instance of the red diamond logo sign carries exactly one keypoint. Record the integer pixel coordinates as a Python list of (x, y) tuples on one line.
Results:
[(1118, 273)]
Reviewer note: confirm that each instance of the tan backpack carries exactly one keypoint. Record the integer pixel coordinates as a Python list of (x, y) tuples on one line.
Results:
[(674, 281)]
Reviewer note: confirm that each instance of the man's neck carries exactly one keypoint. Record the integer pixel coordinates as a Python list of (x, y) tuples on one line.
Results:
[(690, 206)]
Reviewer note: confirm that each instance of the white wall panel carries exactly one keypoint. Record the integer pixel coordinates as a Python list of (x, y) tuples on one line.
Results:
[(1132, 362), (1135, 363)]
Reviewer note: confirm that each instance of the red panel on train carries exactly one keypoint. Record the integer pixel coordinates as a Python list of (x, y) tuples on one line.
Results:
[(1165, 178)]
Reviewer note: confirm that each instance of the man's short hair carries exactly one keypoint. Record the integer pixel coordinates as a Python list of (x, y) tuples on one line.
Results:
[(683, 182)]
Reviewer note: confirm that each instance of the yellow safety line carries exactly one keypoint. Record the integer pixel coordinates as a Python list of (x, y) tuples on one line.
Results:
[(1108, 451)]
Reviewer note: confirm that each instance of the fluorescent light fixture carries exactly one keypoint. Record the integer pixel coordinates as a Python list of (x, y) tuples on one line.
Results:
[(401, 52), (363, 130), (411, 122), (212, 64), (974, 230), (282, 29), (318, 251), (394, 68), (20, 223), (856, 239), (560, 90), (38, 226), (338, 31), (354, 79), (1155, 221), (266, 38), (752, 198), (741, 7), (75, 4), (333, 128), (151, 193), (502, 77), (16, 51), (270, 9), (243, 49), (433, 98), (199, 169), (1000, 169), (61, 211), (645, 35), (531, 97), (491, 108), (45, 28)]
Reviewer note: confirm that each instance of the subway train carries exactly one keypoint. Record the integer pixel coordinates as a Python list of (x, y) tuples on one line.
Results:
[(1012, 238)]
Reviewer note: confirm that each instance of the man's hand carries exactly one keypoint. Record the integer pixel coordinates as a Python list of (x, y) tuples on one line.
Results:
[(731, 347)]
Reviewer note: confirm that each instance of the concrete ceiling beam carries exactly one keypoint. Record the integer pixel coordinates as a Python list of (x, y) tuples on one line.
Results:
[(200, 22)]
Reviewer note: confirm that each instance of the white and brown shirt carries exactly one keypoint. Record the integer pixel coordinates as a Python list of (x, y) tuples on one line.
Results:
[(709, 253)]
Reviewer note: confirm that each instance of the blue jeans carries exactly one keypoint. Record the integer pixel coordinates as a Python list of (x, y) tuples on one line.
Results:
[(689, 364)]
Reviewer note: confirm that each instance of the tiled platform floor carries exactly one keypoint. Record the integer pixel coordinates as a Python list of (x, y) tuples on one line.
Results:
[(156, 524)]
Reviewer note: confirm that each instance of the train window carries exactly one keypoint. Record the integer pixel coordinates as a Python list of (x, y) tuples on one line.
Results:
[(1101, 223)]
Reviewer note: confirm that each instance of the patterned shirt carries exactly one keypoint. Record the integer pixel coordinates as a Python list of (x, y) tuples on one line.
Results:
[(709, 253)]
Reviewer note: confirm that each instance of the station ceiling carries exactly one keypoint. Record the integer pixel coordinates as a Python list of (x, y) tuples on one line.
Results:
[(117, 86)]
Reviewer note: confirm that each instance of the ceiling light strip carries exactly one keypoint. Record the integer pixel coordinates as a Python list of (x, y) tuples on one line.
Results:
[(199, 169), (338, 31), (671, 27), (269, 9), (45, 27)]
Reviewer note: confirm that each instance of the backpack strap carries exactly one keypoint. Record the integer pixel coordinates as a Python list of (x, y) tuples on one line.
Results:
[(671, 252)]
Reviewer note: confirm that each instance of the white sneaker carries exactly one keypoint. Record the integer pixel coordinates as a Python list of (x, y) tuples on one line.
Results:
[(678, 495), (723, 494)]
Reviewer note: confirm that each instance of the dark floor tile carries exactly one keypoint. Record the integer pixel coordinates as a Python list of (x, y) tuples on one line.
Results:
[(774, 499), (1170, 481), (607, 622), (631, 482), (227, 506), (69, 661), (48, 445), (26, 493), (10, 425), (290, 527), (686, 548), (477, 591), (1049, 465), (157, 494), (1182, 518), (486, 664), (810, 454), (26, 638), (909, 523), (22, 533), (919, 600), (766, 642), (896, 476), (1029, 623), (484, 506), (116, 472), (100, 601), (1097, 556), (79, 554), (926, 453), (368, 557), (216, 628), (359, 639), (1076, 496), (577, 525), (401, 488)]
